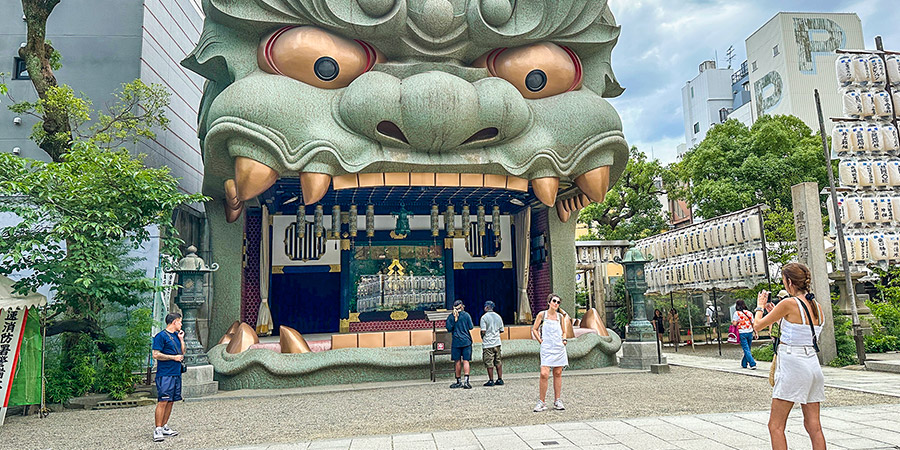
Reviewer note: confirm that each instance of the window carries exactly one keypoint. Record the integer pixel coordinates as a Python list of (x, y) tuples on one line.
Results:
[(754, 66), (696, 127), (775, 51), (20, 72), (692, 92)]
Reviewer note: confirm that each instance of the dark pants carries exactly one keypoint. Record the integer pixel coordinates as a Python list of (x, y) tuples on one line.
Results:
[(746, 339)]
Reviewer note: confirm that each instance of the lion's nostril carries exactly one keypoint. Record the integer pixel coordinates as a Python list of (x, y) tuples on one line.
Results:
[(391, 130), (483, 135)]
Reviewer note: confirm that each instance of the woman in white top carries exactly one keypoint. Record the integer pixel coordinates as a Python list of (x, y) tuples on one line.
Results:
[(553, 350), (798, 375)]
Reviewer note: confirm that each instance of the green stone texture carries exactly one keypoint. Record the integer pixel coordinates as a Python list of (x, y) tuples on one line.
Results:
[(266, 369)]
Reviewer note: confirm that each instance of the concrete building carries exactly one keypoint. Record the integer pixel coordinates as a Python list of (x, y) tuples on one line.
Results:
[(791, 56), (706, 101), (105, 43), (740, 91)]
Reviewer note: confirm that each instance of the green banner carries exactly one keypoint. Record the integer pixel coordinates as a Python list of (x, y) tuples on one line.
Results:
[(26, 384)]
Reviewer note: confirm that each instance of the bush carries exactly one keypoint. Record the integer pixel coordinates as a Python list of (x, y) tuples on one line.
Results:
[(878, 342), (843, 337), (83, 368), (763, 352)]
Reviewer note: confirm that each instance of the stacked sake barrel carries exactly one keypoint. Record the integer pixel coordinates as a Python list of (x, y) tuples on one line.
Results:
[(724, 253), (868, 146)]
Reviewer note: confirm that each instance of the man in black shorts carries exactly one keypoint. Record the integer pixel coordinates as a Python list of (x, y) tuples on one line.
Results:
[(459, 324), (168, 351)]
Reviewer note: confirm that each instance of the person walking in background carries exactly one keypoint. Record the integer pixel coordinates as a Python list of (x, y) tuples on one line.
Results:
[(798, 375), (674, 327), (743, 320), (548, 330), (491, 327), (658, 324), (168, 350), (460, 325)]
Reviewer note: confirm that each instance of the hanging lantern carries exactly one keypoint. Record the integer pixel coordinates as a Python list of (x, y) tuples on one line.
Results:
[(465, 221), (319, 221), (482, 226), (351, 221), (300, 224), (336, 222), (434, 221), (495, 219), (370, 220), (449, 221)]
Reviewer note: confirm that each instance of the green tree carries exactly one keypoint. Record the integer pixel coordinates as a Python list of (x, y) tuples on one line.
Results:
[(736, 167), (632, 209)]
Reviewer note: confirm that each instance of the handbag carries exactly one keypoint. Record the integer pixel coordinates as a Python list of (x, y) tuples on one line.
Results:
[(775, 342), (732, 334)]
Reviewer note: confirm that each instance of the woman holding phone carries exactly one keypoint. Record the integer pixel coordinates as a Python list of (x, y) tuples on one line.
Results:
[(548, 331)]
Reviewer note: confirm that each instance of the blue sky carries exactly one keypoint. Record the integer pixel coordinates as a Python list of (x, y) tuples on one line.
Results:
[(663, 42)]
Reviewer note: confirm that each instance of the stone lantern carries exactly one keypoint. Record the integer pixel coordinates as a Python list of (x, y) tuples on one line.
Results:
[(639, 351), (191, 271)]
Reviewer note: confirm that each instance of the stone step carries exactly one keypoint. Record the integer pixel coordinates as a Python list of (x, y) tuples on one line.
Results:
[(883, 366)]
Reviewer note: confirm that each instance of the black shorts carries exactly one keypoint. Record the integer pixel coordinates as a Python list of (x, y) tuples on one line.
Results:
[(457, 353), (168, 389)]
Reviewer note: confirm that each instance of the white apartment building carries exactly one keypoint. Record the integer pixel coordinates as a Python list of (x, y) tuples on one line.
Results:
[(706, 100)]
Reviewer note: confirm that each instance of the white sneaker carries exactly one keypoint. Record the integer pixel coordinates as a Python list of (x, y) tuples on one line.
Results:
[(558, 404), (158, 434), (168, 431), (541, 406)]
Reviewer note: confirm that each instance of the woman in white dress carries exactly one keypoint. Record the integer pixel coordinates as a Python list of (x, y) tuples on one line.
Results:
[(798, 375), (553, 350)]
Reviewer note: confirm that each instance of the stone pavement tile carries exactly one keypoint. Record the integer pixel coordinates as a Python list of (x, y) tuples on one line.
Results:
[(534, 432), (331, 444), (644, 422), (798, 441), (645, 441), (417, 445), (670, 432), (588, 437), (703, 444), (447, 440), (512, 442), (418, 437), (877, 434), (549, 443), (614, 427), (606, 447), (570, 426), (479, 432), (856, 443), (692, 423), (371, 443), (831, 423), (291, 446), (757, 416)]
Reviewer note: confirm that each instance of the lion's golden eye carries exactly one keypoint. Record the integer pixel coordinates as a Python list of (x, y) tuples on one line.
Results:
[(316, 57), (537, 70)]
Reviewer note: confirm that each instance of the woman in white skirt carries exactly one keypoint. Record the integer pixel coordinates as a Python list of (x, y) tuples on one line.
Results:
[(548, 331), (798, 375)]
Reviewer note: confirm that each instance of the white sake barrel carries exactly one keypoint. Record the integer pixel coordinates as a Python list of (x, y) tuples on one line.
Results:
[(893, 245), (861, 247), (847, 173), (871, 213), (874, 140), (745, 229), (896, 95), (855, 209), (886, 208), (851, 102), (883, 106), (859, 138), (716, 235), (878, 247), (876, 69), (860, 70), (894, 171), (728, 233), (889, 137), (841, 211), (895, 206), (843, 65), (866, 176), (881, 172), (755, 231), (893, 68), (759, 262), (840, 138), (849, 241), (732, 268), (867, 98)]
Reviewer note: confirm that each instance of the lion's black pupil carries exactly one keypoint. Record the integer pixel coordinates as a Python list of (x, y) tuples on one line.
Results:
[(535, 80), (326, 68)]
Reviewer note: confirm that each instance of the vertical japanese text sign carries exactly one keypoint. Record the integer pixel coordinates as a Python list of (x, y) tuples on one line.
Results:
[(12, 327)]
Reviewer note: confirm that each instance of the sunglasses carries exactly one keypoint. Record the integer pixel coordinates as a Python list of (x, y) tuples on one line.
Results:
[(556, 300)]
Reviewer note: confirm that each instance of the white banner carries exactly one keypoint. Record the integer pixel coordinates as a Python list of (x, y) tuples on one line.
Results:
[(12, 327)]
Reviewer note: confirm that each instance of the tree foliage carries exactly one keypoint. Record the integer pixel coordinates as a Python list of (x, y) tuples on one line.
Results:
[(632, 209), (736, 167)]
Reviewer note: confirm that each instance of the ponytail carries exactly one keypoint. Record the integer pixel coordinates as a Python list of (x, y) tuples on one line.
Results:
[(811, 298)]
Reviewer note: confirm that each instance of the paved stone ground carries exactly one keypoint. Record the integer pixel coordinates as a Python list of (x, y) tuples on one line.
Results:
[(290, 416), (859, 427)]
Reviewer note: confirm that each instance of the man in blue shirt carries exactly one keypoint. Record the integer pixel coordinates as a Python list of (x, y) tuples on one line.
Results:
[(459, 325), (168, 350)]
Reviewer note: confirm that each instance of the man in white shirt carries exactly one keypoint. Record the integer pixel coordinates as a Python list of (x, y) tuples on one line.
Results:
[(491, 327)]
